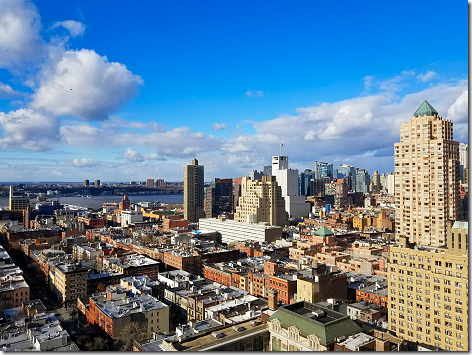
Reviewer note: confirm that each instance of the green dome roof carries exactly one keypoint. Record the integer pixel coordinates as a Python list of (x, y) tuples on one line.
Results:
[(426, 110), (324, 232)]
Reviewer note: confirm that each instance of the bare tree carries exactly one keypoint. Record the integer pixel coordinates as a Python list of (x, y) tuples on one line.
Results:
[(133, 331)]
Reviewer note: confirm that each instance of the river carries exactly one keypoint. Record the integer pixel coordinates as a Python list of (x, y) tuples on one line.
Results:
[(96, 202)]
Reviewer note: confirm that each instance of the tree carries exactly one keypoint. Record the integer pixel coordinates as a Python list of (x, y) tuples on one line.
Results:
[(132, 331), (89, 343)]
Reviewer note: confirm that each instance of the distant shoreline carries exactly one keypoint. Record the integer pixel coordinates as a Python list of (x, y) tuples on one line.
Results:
[(96, 202)]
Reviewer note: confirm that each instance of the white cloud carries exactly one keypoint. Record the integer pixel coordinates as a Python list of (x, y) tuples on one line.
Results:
[(84, 162), (257, 93), (7, 92), (84, 84), (20, 40), (134, 156), (219, 126), (310, 135), (426, 76), (459, 110), (27, 129), (75, 28)]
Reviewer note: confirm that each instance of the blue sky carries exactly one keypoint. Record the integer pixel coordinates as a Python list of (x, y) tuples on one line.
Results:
[(117, 91)]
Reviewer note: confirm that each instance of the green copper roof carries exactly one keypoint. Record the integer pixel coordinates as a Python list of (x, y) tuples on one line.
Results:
[(326, 332), (426, 110), (323, 232)]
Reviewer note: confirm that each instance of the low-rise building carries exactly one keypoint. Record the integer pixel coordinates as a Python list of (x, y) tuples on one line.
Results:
[(114, 309), (305, 326), (69, 282), (232, 231)]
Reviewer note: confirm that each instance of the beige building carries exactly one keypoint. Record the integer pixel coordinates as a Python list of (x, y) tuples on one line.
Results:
[(428, 291), (69, 282), (261, 201), (426, 177), (193, 192), (305, 326)]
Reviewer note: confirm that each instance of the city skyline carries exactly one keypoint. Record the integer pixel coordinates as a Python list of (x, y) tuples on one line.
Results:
[(84, 97)]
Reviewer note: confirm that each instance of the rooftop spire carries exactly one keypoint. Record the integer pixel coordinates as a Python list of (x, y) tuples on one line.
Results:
[(426, 110)]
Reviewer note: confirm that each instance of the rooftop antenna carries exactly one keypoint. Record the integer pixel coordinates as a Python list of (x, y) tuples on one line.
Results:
[(281, 145)]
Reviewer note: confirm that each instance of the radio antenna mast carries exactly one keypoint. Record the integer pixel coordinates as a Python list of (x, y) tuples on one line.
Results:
[(281, 145)]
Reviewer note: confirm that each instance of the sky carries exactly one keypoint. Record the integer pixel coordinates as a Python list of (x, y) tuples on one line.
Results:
[(124, 91)]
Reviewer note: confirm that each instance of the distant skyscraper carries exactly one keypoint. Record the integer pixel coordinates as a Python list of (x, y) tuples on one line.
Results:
[(317, 186), (150, 183), (97, 183), (236, 191), (304, 180), (426, 178), (362, 181), (347, 172), (375, 185), (268, 170), (325, 170), (193, 192), (255, 175), (160, 183), (463, 159), (219, 197), (18, 200), (295, 205), (391, 183), (86, 182), (261, 201)]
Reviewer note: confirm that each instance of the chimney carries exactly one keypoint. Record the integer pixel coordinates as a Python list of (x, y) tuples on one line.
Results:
[(272, 298)]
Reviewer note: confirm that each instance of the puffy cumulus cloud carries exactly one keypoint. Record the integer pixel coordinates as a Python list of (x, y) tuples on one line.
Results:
[(84, 84), (7, 92), (219, 126), (20, 41), (84, 135), (459, 110), (75, 28), (85, 162), (30, 130), (426, 76), (132, 155)]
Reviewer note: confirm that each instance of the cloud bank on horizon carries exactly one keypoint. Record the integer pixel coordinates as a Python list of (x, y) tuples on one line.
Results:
[(70, 99)]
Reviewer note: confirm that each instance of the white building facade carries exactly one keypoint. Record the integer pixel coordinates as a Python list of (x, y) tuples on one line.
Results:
[(295, 205)]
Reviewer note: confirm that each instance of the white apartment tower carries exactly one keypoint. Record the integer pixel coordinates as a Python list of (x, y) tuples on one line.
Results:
[(426, 178), (295, 205)]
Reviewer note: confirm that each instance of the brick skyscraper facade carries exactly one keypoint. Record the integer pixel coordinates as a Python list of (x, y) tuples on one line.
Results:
[(193, 192)]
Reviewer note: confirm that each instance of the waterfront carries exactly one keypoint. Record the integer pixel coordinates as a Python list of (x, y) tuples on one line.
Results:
[(96, 202)]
